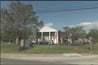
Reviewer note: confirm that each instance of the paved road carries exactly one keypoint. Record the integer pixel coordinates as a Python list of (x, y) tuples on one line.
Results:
[(51, 61), (27, 59), (5, 61)]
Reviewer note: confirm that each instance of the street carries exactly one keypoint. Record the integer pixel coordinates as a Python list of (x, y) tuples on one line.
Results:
[(6, 61), (61, 60)]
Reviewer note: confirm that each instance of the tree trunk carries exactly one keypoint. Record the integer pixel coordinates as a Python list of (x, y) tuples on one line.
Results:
[(17, 41)]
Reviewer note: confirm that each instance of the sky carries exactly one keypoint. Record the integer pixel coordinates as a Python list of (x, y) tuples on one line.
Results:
[(87, 18)]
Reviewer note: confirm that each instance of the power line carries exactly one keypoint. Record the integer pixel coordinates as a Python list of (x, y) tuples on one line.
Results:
[(64, 10)]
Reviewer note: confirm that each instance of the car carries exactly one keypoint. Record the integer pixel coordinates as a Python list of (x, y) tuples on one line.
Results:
[(46, 42)]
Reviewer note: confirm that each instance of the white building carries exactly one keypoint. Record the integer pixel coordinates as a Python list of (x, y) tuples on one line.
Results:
[(49, 33)]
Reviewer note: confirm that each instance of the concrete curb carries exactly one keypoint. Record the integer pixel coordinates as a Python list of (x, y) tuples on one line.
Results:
[(72, 55)]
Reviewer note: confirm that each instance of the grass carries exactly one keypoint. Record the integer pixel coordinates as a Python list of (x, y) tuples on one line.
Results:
[(9, 48), (49, 49)]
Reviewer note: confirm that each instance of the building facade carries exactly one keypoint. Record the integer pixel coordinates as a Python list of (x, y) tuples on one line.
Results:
[(50, 34)]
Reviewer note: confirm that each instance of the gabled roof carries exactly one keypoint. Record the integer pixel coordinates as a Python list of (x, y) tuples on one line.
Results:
[(48, 29)]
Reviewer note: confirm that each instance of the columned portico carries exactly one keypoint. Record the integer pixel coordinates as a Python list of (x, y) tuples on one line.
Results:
[(50, 34)]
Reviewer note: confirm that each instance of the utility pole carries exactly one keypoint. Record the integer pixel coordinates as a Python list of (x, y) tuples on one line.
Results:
[(90, 44), (70, 39)]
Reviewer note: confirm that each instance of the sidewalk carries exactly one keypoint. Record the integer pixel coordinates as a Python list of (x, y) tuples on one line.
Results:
[(44, 55), (30, 55), (37, 57)]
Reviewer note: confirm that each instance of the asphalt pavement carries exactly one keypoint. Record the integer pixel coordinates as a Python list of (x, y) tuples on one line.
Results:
[(41, 59), (6, 61)]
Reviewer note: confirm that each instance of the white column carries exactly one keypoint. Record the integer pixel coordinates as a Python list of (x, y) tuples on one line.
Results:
[(57, 37), (49, 35), (41, 35)]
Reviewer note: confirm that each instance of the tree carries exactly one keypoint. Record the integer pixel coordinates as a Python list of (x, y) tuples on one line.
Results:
[(74, 33), (94, 34), (78, 32), (19, 20)]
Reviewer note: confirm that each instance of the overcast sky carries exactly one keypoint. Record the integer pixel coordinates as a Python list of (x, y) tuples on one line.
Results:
[(87, 18)]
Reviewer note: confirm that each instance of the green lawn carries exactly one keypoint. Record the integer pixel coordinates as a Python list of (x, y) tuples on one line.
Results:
[(48, 49)]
